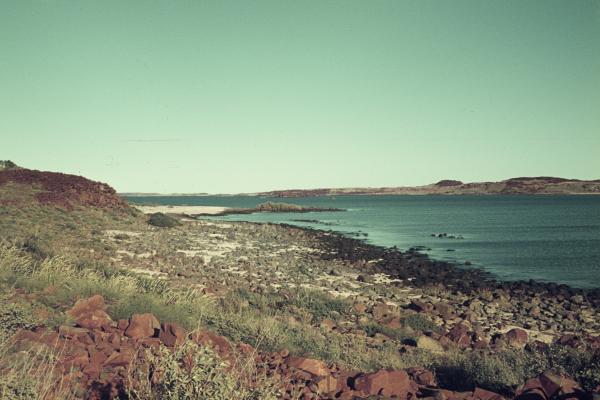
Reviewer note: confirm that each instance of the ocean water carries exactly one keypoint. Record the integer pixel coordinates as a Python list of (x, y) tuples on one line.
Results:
[(546, 238)]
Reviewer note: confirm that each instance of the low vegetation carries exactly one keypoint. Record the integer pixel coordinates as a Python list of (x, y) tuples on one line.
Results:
[(250, 318), (194, 372)]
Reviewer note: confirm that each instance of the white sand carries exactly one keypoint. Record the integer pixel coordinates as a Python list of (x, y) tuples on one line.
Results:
[(189, 210)]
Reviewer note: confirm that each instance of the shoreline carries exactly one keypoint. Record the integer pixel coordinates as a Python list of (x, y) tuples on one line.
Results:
[(218, 211), (474, 296), (180, 210), (454, 298), (395, 262)]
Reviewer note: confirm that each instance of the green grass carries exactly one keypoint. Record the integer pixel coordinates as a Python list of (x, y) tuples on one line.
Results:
[(400, 334)]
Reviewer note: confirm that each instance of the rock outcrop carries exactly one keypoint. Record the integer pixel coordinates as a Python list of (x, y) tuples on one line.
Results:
[(63, 190)]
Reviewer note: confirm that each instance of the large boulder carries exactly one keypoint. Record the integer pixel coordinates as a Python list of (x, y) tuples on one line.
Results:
[(313, 367), (90, 313), (385, 382), (516, 337), (459, 334), (142, 326), (482, 394), (218, 343), (549, 385)]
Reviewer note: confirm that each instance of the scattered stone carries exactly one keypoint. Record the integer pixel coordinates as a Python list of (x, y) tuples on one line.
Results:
[(386, 383), (516, 337)]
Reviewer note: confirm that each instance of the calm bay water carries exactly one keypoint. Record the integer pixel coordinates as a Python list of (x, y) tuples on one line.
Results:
[(546, 238)]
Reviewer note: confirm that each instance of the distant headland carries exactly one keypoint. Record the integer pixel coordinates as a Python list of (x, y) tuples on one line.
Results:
[(545, 185)]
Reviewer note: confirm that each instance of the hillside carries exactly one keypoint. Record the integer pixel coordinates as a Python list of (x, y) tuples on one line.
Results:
[(20, 187), (521, 185)]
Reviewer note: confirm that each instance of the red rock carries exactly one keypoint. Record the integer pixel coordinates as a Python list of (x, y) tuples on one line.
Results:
[(569, 386), (172, 334), (142, 325), (83, 306), (71, 332), (482, 394), (149, 342), (346, 395), (97, 357), (94, 319), (122, 324), (77, 360), (425, 378), (458, 334), (386, 383), (246, 349), (119, 359), (516, 337), (380, 311), (394, 323), (90, 313), (360, 308), (532, 394), (327, 384), (219, 343), (550, 383), (314, 367)]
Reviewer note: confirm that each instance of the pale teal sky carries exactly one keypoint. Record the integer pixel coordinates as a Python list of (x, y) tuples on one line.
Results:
[(238, 96)]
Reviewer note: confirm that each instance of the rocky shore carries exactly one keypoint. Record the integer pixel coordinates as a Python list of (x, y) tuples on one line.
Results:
[(471, 294), (320, 314)]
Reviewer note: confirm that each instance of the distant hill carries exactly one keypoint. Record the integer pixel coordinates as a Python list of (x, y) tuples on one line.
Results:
[(21, 187), (142, 194), (523, 185)]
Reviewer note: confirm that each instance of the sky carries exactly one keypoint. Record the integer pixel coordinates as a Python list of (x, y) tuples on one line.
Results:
[(241, 96)]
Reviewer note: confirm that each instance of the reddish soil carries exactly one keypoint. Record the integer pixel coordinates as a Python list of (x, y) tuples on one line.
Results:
[(65, 190)]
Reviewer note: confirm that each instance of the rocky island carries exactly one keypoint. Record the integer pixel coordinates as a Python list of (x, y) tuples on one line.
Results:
[(522, 185)]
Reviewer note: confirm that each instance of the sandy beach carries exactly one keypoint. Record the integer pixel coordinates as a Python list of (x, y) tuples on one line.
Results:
[(189, 210)]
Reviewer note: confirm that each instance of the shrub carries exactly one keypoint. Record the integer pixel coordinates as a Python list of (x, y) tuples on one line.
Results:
[(193, 372), (320, 305), (31, 374), (419, 323), (13, 387), (14, 316), (399, 334), (35, 246), (162, 221)]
